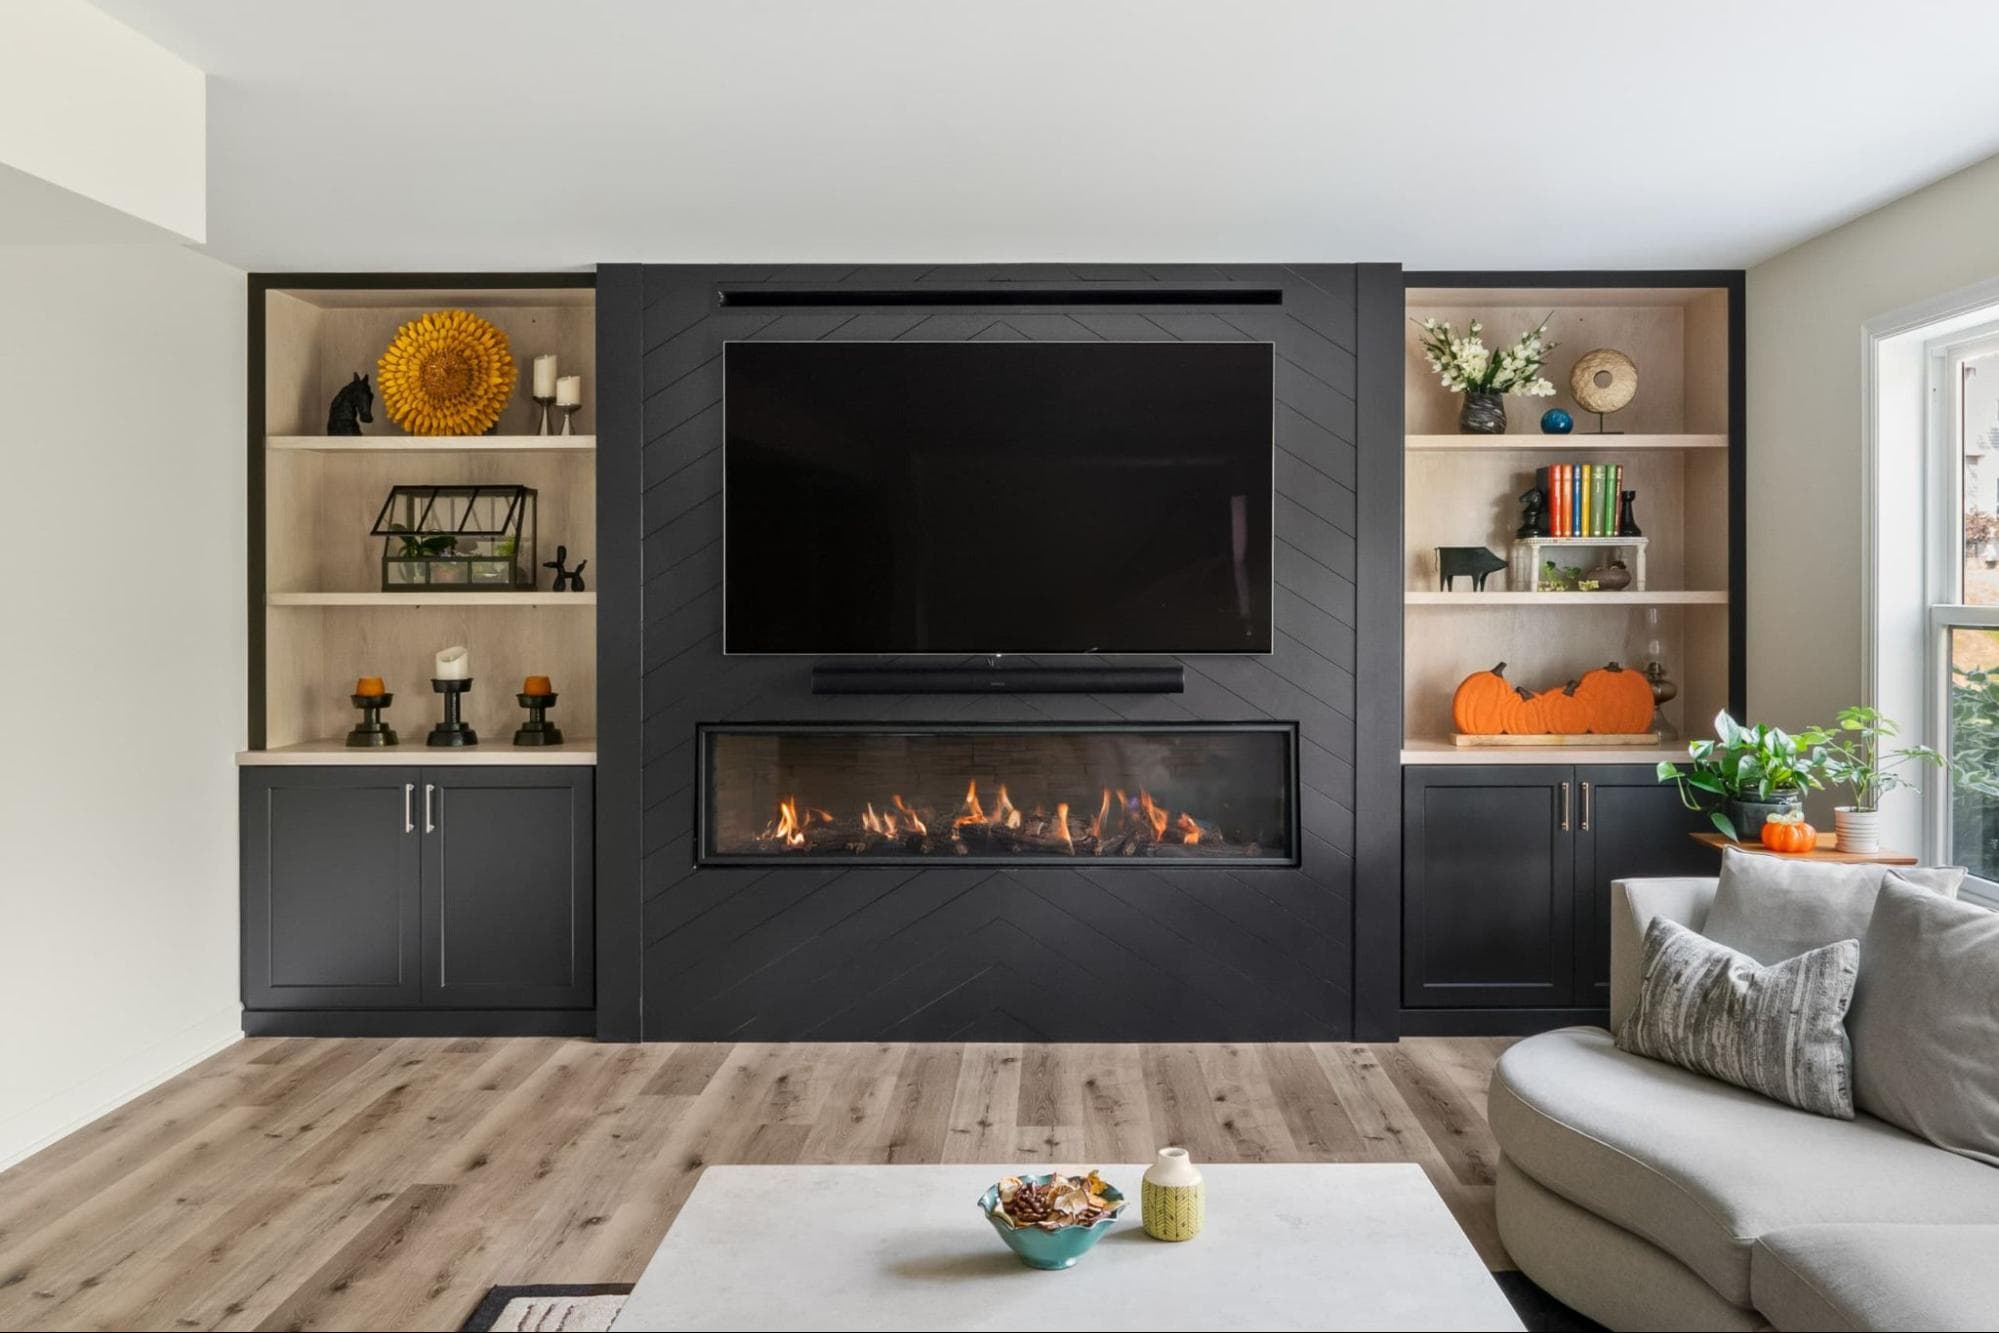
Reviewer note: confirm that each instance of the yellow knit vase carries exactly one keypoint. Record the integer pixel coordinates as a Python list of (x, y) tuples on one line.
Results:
[(1173, 1198)]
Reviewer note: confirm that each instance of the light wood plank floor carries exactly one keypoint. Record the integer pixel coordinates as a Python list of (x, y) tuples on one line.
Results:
[(359, 1184)]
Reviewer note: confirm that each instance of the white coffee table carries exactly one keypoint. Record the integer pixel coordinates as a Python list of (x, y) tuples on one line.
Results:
[(903, 1247)]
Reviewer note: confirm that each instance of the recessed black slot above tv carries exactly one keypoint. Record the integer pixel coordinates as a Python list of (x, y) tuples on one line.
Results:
[(988, 497)]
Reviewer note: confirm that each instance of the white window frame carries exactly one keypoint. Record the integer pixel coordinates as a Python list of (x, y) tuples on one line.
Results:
[(1943, 565)]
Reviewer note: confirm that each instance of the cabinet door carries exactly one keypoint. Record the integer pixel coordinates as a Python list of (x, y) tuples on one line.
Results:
[(508, 890), (1488, 866), (1627, 824), (330, 880)]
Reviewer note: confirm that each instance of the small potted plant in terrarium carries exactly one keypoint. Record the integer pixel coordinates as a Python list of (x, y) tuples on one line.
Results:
[(457, 537)]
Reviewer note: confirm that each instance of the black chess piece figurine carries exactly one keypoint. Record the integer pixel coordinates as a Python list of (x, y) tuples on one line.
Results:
[(1533, 513), (353, 405), (1627, 522)]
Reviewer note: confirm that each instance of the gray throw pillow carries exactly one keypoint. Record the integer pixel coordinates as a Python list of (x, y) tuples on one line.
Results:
[(1773, 908), (1925, 1021), (1775, 1030)]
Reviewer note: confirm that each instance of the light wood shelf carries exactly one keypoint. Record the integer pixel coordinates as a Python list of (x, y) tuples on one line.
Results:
[(1476, 600), (1432, 750), (1558, 444), (414, 753), (432, 444), (535, 598)]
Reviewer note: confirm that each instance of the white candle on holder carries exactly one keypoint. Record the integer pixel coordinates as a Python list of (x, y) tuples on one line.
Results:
[(453, 664), (544, 376), (569, 391)]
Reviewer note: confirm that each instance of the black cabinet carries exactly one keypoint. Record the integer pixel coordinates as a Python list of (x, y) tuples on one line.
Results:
[(413, 890), (1506, 878)]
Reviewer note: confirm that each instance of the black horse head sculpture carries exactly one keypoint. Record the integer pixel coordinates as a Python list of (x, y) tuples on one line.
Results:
[(353, 405)]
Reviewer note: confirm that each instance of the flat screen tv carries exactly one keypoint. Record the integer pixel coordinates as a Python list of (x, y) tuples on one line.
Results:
[(982, 497)]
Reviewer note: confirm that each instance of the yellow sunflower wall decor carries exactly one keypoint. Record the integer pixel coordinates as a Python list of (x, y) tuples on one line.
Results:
[(446, 373)]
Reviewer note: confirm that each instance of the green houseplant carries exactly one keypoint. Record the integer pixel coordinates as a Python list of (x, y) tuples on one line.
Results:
[(1745, 775), (1859, 754)]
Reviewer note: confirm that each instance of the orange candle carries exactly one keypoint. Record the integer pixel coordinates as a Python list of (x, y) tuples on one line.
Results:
[(369, 686), (537, 685)]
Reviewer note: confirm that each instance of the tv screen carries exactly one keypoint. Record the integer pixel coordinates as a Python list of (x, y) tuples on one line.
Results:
[(891, 498)]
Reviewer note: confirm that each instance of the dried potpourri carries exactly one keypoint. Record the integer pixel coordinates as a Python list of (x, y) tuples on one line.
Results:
[(1060, 1201)]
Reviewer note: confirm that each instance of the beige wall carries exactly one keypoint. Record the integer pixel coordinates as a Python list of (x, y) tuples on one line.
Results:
[(1805, 312), (124, 645)]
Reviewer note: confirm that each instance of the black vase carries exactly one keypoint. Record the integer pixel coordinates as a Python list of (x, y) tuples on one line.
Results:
[(1483, 414)]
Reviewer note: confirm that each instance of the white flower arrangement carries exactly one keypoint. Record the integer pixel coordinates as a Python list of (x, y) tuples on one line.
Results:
[(1467, 365)]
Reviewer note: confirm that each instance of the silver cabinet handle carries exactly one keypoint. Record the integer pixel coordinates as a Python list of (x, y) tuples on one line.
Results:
[(1565, 807), (409, 826), (428, 826), (1585, 807)]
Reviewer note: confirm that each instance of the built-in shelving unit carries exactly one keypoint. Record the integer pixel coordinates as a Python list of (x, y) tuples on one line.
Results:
[(319, 615), (1679, 448)]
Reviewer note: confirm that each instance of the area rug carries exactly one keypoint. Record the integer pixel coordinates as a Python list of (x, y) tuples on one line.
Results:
[(550, 1308), (581, 1309)]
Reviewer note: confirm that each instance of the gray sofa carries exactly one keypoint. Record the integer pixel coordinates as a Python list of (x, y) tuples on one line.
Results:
[(1645, 1196)]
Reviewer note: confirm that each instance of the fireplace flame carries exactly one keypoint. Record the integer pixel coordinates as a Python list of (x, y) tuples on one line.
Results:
[(1155, 815), (1005, 813), (1190, 832), (1103, 813), (1062, 825), (915, 825), (973, 814), (788, 829)]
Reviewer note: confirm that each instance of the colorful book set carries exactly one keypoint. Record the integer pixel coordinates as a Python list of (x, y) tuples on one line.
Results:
[(1582, 498)]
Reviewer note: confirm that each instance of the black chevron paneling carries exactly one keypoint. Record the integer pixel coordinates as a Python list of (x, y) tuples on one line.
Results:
[(1150, 952)]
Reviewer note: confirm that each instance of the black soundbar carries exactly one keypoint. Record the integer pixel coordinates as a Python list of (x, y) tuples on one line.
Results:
[(855, 678)]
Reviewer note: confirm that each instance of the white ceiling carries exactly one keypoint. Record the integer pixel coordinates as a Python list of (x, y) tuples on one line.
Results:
[(509, 134)]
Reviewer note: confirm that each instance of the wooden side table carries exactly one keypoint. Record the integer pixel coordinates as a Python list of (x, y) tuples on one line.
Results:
[(1825, 851)]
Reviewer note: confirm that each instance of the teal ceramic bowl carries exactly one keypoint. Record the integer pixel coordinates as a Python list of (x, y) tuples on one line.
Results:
[(1051, 1249)]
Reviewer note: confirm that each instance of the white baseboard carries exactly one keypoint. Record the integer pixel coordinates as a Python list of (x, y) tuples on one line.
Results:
[(137, 1074)]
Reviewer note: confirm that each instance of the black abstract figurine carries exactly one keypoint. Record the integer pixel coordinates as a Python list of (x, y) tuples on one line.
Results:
[(1627, 522), (566, 580), (353, 405), (1475, 561), (1533, 513)]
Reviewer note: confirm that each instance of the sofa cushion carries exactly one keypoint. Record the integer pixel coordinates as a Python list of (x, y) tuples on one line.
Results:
[(1702, 1169), (1773, 908), (1778, 1030), (1877, 1275), (1925, 1021)]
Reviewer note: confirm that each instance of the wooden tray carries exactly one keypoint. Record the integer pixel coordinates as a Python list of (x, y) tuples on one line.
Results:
[(1501, 742)]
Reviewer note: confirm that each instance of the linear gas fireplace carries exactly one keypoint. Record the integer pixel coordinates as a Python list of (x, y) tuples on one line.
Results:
[(1208, 794)]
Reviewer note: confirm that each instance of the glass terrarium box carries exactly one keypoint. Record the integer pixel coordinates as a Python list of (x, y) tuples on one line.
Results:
[(464, 538)]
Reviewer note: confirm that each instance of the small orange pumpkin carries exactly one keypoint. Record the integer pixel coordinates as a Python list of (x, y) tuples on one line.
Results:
[(1564, 711), (1524, 716), (1789, 834), (1619, 702), (1483, 703)]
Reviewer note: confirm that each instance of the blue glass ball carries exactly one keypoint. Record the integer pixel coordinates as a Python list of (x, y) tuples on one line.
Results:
[(1555, 421)]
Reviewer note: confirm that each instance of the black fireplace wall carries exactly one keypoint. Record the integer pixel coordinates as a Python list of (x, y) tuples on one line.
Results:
[(1057, 953)]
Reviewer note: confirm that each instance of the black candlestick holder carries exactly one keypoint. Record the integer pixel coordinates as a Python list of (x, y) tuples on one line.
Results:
[(371, 730), (537, 730), (452, 731)]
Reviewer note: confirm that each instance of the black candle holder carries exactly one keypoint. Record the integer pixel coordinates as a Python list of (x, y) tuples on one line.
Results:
[(537, 730), (451, 731), (371, 730)]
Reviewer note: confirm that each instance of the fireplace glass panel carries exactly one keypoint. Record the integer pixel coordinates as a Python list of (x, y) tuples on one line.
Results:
[(1193, 795)]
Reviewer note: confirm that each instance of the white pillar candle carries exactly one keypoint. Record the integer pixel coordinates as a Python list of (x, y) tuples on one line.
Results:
[(544, 376), (453, 664), (569, 391)]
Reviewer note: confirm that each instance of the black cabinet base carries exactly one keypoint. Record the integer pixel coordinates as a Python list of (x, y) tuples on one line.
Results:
[(419, 1022), (1497, 1022)]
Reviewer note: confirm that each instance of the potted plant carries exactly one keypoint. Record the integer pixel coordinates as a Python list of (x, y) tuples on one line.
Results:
[(1850, 754), (1466, 365), (1745, 775)]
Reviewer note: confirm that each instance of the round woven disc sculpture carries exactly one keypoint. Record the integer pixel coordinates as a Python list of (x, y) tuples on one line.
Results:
[(1616, 391), (446, 373)]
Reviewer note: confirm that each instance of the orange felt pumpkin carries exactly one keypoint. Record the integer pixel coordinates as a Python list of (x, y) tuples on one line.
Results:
[(1564, 711), (1789, 835), (1482, 703), (1617, 702), (1524, 715)]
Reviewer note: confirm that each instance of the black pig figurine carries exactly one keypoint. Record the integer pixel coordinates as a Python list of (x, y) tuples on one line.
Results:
[(1475, 561)]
